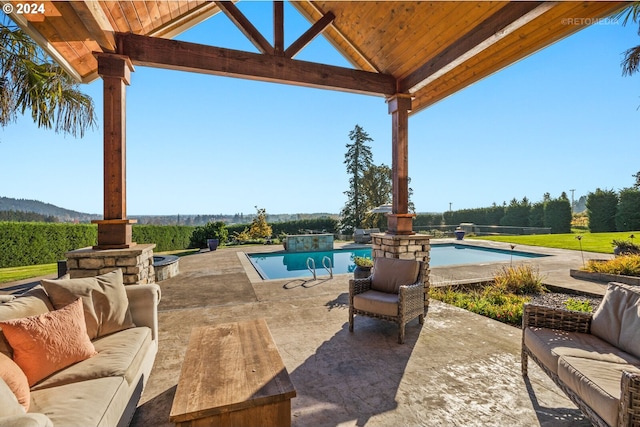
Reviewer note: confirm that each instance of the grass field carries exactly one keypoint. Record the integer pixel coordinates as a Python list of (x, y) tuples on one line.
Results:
[(12, 274), (591, 242)]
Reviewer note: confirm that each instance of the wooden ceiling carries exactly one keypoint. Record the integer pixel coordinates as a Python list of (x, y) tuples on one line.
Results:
[(428, 49)]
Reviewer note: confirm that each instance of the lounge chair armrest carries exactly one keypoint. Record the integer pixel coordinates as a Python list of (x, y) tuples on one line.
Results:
[(629, 414), (411, 290), (358, 286), (143, 303), (555, 318)]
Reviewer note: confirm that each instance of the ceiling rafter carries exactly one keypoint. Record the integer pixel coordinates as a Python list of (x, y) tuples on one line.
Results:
[(185, 56), (244, 25), (306, 38), (499, 25), (96, 22)]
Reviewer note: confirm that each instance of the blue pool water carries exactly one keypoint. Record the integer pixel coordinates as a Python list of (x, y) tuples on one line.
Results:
[(294, 264)]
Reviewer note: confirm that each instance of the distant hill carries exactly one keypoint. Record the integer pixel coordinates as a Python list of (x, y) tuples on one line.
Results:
[(66, 215), (46, 209)]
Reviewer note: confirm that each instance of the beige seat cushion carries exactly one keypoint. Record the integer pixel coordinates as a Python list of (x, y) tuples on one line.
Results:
[(391, 273), (549, 345), (377, 302), (596, 382), (119, 355), (106, 306), (10, 405), (98, 402), (32, 303), (617, 319)]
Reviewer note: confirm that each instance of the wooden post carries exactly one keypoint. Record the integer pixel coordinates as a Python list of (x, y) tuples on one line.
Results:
[(114, 231), (400, 221)]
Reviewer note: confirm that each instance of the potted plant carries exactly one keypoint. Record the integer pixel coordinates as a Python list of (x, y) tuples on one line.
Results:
[(363, 267)]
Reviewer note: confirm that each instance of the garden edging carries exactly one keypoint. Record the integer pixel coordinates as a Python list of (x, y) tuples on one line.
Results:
[(604, 277)]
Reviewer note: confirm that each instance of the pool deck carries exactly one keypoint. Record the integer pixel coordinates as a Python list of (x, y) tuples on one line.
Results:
[(458, 368)]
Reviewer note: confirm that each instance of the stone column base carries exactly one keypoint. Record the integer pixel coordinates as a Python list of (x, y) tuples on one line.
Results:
[(136, 263), (415, 246)]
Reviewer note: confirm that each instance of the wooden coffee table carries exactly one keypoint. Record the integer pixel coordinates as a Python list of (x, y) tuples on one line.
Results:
[(233, 375)]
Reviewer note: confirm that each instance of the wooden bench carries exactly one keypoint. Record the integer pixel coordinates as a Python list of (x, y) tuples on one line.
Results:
[(233, 375)]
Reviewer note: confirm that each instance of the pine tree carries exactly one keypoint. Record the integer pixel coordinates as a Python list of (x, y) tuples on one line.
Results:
[(358, 159)]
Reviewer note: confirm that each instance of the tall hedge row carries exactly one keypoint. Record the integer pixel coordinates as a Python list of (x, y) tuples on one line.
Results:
[(30, 243)]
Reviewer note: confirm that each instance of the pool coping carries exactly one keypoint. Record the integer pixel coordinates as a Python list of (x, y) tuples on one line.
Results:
[(550, 255)]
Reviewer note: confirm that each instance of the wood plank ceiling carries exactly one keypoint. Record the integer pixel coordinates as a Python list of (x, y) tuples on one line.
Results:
[(430, 49)]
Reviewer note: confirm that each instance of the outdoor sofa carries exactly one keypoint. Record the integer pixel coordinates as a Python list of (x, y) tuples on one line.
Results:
[(594, 359), (116, 352)]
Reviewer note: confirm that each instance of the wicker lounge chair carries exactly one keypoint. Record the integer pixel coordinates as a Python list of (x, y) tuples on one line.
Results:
[(396, 291)]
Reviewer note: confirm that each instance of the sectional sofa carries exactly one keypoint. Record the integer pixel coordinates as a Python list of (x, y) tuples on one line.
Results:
[(76, 352), (594, 359)]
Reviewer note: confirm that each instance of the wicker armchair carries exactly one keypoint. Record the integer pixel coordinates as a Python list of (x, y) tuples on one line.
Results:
[(396, 291), (572, 339)]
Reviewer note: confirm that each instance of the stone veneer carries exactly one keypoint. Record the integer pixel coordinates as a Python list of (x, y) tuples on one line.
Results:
[(136, 263), (412, 246)]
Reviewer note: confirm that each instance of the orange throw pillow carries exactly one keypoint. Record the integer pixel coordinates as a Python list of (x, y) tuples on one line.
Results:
[(49, 342), (16, 380)]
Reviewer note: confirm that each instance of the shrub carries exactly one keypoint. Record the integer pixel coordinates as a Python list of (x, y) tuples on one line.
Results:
[(625, 247), (211, 230), (626, 265), (490, 302), (577, 305), (521, 279)]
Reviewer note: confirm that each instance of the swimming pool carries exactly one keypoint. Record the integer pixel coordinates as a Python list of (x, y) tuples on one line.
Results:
[(294, 264)]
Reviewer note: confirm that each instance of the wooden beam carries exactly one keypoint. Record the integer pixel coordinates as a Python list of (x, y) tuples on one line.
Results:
[(93, 17), (278, 27), (504, 22), (247, 28), (185, 56), (114, 231), (306, 38), (400, 221)]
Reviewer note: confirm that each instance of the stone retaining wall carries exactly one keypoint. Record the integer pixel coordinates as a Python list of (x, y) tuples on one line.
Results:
[(136, 263)]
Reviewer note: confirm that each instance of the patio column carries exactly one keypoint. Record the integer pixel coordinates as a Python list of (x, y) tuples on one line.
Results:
[(114, 231), (400, 221)]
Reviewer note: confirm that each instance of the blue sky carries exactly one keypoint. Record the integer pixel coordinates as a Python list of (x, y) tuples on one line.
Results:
[(561, 119)]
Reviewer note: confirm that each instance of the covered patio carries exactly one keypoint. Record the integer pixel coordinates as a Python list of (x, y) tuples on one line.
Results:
[(412, 54), (458, 368)]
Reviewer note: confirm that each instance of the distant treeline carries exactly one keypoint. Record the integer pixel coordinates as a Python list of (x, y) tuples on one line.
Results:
[(20, 216)]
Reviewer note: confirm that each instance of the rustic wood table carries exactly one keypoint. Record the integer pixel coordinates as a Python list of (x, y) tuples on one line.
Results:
[(233, 375)]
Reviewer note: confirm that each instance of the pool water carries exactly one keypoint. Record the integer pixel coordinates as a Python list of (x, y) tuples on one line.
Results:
[(294, 264)]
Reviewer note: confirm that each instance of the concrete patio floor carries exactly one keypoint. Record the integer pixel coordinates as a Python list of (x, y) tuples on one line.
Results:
[(458, 368)]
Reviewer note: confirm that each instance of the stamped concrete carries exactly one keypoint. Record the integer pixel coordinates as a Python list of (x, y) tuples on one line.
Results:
[(457, 369)]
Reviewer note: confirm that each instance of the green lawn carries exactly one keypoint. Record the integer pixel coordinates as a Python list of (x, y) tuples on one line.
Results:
[(10, 274), (591, 242)]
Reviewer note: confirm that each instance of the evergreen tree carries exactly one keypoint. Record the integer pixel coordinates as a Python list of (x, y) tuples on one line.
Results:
[(30, 80), (601, 210), (557, 214), (628, 213), (358, 159), (517, 213)]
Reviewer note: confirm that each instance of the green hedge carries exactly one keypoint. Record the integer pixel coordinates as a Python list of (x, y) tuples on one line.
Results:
[(30, 243)]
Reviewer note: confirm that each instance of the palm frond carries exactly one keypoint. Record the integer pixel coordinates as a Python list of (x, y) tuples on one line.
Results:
[(631, 62)]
